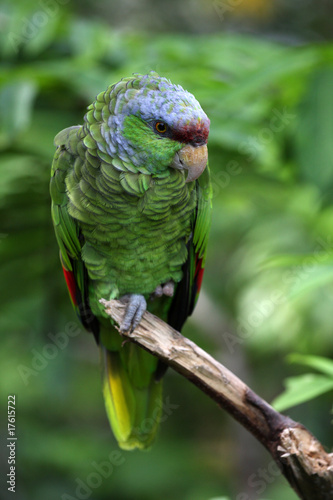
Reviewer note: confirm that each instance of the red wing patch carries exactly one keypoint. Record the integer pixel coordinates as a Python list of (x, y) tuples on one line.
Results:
[(199, 271), (71, 285)]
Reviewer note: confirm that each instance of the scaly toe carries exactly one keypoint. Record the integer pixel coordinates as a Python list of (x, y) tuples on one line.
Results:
[(158, 292), (136, 306), (169, 288)]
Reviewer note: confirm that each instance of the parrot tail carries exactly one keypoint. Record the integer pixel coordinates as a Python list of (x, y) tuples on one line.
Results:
[(133, 398)]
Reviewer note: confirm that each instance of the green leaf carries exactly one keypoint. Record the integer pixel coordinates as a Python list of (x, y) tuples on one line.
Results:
[(324, 365), (301, 389), (281, 66), (311, 279), (293, 260), (220, 498), (314, 144), (16, 103)]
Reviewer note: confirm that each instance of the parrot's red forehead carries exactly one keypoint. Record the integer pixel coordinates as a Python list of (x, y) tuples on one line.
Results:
[(195, 134)]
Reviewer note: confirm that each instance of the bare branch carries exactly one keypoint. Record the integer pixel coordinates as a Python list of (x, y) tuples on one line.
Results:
[(301, 458)]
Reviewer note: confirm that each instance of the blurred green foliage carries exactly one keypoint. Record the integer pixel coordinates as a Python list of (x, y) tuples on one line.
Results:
[(306, 387), (268, 288)]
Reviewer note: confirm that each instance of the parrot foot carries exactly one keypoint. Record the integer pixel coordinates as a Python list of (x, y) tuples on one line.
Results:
[(135, 308), (166, 289)]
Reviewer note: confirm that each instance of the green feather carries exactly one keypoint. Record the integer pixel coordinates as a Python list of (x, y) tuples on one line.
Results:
[(203, 221)]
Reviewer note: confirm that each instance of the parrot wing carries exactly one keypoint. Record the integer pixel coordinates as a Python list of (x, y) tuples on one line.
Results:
[(67, 232), (188, 289), (132, 397)]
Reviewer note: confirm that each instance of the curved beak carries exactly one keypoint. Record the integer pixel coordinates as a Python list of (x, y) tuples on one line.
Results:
[(193, 159)]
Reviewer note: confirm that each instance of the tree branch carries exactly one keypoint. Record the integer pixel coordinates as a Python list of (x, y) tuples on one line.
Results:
[(301, 458)]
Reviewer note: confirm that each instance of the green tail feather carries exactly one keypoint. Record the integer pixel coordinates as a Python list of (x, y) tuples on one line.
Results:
[(133, 399)]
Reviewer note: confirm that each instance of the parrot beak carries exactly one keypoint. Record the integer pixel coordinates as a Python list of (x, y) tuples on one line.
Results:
[(193, 159)]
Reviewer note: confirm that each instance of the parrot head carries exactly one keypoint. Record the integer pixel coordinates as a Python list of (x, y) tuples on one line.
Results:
[(153, 125)]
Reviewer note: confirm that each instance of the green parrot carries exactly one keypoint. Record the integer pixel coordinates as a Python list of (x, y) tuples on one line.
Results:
[(131, 208)]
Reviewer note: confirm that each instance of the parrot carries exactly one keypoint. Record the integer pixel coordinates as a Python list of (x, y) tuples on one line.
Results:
[(131, 209)]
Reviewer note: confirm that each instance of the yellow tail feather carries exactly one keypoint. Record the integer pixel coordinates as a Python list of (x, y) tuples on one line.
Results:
[(133, 408)]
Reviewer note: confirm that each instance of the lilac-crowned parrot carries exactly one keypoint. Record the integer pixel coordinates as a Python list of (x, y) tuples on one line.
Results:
[(131, 208)]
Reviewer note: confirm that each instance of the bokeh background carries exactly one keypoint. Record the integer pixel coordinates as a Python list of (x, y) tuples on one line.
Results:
[(263, 72)]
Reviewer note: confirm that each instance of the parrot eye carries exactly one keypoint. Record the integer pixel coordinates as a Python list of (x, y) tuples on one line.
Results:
[(161, 127)]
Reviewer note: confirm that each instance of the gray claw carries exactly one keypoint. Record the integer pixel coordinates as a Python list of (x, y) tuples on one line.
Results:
[(158, 291), (136, 306), (169, 288)]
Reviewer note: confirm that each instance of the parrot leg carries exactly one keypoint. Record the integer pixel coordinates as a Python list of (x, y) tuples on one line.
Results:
[(136, 306)]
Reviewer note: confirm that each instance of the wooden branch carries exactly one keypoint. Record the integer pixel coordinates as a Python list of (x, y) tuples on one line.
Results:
[(301, 458)]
